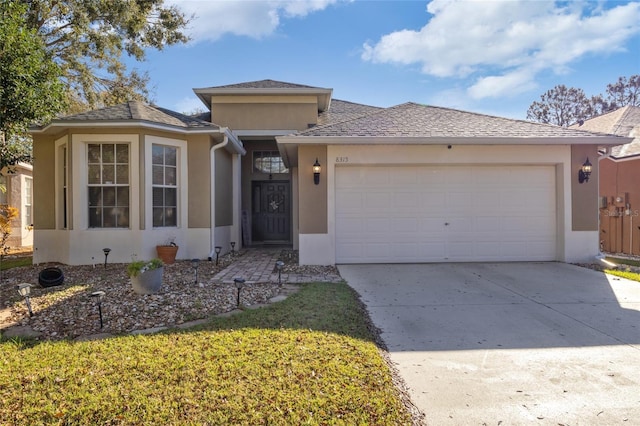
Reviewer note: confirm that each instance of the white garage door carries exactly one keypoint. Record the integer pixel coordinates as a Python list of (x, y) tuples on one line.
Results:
[(402, 214)]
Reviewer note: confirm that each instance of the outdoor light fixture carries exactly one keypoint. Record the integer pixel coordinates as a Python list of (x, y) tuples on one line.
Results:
[(218, 250), (316, 172), (279, 266), (233, 248), (98, 296), (194, 264), (24, 290), (584, 172), (106, 253), (239, 282)]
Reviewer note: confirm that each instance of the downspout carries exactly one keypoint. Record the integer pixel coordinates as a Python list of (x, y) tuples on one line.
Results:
[(212, 159)]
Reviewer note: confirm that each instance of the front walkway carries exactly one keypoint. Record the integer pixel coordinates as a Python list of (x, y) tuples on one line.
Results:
[(258, 265)]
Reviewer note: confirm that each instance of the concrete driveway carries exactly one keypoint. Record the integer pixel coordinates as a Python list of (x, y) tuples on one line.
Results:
[(509, 343)]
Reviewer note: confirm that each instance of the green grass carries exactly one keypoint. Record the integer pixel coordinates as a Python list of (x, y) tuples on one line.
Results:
[(308, 360), (620, 260), (16, 262), (624, 274)]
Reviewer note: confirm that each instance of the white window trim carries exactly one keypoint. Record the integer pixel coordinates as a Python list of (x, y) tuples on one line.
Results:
[(79, 145), (182, 180), (59, 182)]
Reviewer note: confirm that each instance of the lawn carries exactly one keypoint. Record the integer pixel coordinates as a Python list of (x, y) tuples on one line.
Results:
[(311, 359)]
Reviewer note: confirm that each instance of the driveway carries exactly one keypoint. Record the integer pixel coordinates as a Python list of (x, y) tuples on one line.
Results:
[(509, 343)]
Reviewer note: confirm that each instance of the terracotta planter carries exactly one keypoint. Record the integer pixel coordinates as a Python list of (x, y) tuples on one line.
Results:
[(148, 282), (167, 254)]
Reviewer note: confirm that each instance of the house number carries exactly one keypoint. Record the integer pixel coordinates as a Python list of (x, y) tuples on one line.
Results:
[(342, 159)]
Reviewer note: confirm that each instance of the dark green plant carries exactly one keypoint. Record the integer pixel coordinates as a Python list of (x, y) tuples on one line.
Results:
[(138, 267)]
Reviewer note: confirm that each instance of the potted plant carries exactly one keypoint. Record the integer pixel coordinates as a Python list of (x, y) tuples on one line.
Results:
[(167, 251), (146, 276)]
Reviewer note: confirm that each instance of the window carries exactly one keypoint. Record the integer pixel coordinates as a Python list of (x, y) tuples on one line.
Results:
[(268, 162), (108, 179), (165, 185), (3, 189), (28, 197)]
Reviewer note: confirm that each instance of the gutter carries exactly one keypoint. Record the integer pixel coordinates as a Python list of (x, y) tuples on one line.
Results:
[(228, 139)]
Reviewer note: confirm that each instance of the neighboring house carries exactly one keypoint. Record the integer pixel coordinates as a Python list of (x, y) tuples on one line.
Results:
[(341, 182), (19, 194), (619, 181)]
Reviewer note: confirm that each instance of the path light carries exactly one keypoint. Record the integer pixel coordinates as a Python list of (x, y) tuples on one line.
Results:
[(195, 263), (106, 253), (98, 296), (218, 250), (233, 248), (25, 290), (239, 282), (279, 266)]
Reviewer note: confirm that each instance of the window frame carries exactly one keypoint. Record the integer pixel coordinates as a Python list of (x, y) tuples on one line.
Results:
[(268, 153), (164, 185)]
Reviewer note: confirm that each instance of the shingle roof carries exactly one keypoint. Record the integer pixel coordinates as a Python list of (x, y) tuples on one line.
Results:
[(416, 120), (138, 111), (624, 121), (262, 84), (343, 110)]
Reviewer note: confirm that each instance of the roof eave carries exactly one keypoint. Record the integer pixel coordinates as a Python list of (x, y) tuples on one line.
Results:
[(123, 123), (323, 95)]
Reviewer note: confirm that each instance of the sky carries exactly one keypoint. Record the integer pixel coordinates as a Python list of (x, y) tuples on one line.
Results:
[(488, 56)]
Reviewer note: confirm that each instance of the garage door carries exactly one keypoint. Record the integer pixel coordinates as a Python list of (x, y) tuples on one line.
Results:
[(403, 214)]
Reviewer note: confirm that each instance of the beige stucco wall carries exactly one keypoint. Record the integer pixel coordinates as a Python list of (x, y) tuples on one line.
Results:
[(264, 112), (312, 198), (199, 171), (44, 182), (584, 196), (224, 188)]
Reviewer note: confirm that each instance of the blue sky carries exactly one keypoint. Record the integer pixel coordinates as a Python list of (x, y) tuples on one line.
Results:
[(493, 57)]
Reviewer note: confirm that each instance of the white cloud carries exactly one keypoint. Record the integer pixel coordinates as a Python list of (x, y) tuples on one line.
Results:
[(251, 18), (506, 42), (189, 104)]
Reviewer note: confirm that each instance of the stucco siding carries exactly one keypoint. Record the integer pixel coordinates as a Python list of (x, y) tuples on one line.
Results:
[(312, 198), (224, 188), (584, 196), (44, 179), (199, 170), (266, 116)]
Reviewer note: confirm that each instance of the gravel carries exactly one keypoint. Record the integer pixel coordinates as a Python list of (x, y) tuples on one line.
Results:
[(67, 311)]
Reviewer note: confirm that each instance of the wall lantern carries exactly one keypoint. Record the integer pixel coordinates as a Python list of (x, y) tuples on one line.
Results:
[(584, 172), (316, 172)]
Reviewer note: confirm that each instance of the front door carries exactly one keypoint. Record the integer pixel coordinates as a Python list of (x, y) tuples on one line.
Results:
[(271, 218)]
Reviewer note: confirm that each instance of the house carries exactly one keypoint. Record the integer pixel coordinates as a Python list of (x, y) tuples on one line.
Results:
[(282, 163), (619, 181), (18, 193)]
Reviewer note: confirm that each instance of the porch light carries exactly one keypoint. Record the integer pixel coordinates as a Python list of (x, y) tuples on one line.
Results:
[(106, 254), (316, 172), (98, 296), (239, 282), (279, 266), (584, 172), (218, 250), (24, 290), (194, 264)]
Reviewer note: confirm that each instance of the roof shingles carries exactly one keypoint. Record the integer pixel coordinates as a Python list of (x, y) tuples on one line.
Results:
[(624, 121)]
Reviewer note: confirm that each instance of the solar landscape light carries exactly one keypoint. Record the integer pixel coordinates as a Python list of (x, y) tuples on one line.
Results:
[(239, 282), (279, 266), (24, 290), (233, 248), (218, 250), (98, 296), (195, 263), (106, 254)]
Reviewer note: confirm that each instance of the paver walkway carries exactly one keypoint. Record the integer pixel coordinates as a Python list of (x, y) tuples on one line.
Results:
[(258, 265)]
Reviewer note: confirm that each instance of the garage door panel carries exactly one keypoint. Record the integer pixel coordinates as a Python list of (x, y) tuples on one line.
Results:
[(400, 213)]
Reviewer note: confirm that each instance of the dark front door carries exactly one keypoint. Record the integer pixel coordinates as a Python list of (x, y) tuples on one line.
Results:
[(271, 219)]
